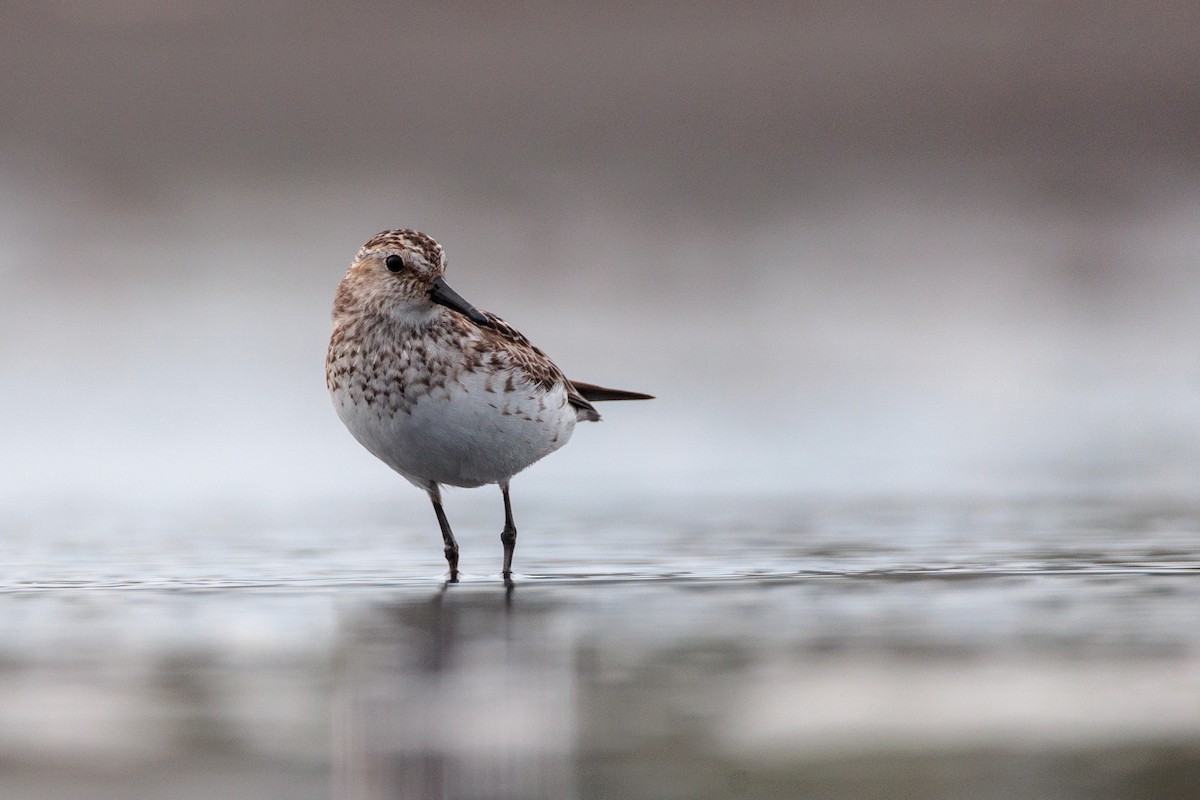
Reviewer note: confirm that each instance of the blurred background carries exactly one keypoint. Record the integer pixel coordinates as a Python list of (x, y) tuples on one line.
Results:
[(914, 512), (854, 247)]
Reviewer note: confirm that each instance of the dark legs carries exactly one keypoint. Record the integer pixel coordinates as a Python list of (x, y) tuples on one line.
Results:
[(435, 494), (509, 536)]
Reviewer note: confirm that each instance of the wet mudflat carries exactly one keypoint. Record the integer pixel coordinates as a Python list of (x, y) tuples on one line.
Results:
[(723, 649)]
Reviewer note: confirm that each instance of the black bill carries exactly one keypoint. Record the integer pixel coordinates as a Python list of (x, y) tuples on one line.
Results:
[(443, 295)]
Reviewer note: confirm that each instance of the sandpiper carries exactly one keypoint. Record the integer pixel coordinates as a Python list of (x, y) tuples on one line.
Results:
[(442, 392)]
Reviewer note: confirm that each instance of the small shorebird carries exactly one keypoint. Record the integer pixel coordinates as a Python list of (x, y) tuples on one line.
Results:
[(442, 392)]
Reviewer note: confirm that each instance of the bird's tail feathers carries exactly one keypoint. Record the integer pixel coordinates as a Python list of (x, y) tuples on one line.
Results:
[(590, 391)]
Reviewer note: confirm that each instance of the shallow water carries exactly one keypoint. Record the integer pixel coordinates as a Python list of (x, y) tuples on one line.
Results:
[(716, 649)]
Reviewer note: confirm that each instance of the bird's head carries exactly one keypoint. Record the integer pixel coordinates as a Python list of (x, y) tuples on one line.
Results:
[(400, 272)]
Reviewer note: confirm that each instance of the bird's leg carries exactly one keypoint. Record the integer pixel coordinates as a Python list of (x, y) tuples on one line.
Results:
[(451, 548), (508, 537)]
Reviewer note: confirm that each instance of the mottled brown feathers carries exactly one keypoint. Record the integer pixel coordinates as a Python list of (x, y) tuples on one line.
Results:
[(519, 354), (406, 238), (417, 352)]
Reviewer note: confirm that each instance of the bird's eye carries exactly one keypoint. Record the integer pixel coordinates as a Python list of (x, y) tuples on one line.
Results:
[(394, 263)]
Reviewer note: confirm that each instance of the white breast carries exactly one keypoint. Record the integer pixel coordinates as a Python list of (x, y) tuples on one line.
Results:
[(469, 433)]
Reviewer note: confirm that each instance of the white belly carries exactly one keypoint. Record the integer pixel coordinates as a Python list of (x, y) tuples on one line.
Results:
[(462, 435)]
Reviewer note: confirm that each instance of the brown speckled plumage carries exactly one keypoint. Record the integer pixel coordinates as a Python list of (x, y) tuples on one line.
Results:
[(379, 359)]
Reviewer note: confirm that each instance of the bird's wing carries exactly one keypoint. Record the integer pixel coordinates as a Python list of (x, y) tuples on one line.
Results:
[(526, 357)]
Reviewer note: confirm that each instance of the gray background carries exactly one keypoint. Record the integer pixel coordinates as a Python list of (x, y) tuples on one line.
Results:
[(853, 247)]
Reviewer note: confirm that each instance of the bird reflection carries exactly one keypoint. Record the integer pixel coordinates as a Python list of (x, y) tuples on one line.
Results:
[(460, 694)]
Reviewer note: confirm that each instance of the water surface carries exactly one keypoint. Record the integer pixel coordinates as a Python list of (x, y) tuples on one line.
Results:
[(716, 649)]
